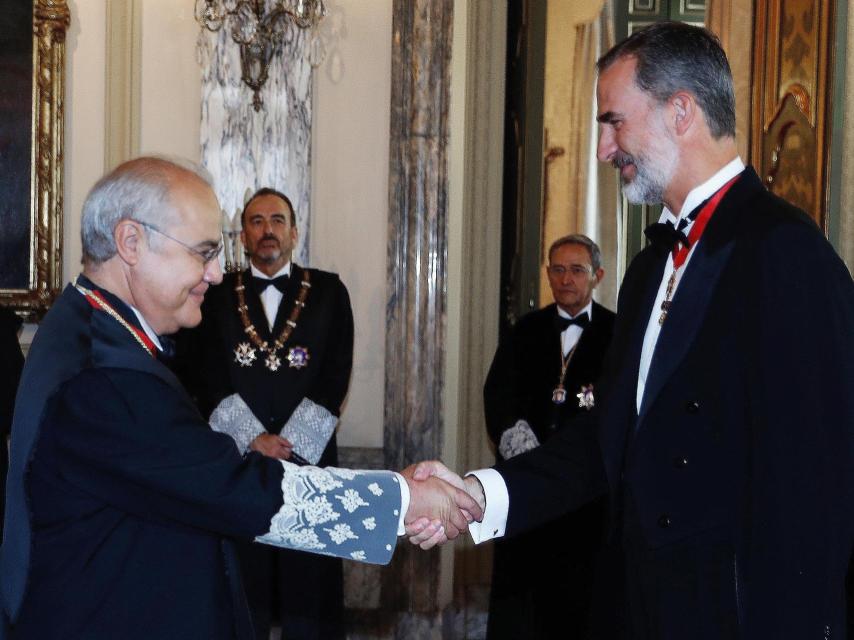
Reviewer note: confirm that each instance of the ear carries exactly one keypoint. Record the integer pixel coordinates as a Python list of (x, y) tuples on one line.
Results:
[(598, 274), (685, 110), (243, 238), (128, 236), (294, 235)]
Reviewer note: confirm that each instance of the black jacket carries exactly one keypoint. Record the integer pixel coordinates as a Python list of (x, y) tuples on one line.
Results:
[(746, 431)]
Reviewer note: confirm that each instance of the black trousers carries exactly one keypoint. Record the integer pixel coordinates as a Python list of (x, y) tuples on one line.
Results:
[(302, 592)]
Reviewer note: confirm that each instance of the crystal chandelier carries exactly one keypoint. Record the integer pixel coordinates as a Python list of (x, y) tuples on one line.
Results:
[(261, 32)]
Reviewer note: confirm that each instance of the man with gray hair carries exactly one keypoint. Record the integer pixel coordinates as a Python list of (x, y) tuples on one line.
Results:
[(122, 502), (726, 438), (545, 372)]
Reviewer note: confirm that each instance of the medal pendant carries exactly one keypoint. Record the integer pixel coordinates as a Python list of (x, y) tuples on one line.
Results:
[(272, 362), (298, 357), (244, 354), (559, 395), (586, 400), (665, 307)]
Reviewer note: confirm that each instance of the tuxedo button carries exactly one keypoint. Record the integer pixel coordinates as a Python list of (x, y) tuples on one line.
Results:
[(692, 407), (680, 462), (664, 521)]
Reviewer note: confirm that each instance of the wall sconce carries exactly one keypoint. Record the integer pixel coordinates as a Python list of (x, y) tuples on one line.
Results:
[(261, 34)]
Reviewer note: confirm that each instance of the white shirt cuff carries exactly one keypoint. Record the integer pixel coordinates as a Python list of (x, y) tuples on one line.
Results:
[(404, 502), (497, 506)]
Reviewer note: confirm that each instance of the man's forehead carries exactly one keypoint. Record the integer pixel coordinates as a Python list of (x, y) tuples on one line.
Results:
[(267, 204), (571, 253), (617, 80)]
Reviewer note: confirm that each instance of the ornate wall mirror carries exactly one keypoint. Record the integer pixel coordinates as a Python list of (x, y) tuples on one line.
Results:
[(32, 73)]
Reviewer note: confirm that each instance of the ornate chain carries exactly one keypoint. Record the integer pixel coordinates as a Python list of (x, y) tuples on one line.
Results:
[(98, 302), (272, 361)]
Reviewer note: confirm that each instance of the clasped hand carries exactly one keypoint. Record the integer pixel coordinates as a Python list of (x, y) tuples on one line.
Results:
[(441, 504)]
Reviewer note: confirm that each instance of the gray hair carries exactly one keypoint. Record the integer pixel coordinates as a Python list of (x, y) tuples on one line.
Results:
[(135, 190), (584, 241), (674, 56)]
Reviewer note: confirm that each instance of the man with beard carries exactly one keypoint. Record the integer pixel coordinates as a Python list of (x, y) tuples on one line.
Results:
[(270, 365), (726, 435)]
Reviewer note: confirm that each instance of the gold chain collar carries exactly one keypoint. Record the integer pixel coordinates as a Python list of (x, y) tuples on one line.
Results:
[(290, 323)]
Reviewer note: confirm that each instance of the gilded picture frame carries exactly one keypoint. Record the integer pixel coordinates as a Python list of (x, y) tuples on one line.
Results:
[(32, 73)]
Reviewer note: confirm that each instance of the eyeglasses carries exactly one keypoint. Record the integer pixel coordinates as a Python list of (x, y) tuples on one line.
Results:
[(207, 255), (558, 270)]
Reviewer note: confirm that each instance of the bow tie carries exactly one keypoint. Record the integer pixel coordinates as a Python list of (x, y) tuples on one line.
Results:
[(562, 324), (666, 236), (261, 284)]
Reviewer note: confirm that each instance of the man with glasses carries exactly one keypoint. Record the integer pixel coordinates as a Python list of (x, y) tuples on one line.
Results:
[(270, 365), (122, 503), (543, 374)]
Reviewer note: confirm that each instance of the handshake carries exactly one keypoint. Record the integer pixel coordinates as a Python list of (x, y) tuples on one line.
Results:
[(441, 504)]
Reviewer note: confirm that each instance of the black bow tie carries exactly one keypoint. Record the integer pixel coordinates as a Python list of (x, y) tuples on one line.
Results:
[(261, 284), (563, 324), (666, 236)]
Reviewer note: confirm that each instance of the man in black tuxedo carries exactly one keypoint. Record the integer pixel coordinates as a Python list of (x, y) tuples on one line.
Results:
[(726, 434), (545, 372), (294, 387), (122, 504)]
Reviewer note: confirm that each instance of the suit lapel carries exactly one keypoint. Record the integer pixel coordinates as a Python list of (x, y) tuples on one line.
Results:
[(695, 291), (619, 415), (288, 297)]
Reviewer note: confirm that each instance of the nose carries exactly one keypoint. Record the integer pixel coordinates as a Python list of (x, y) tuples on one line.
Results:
[(213, 272), (607, 146)]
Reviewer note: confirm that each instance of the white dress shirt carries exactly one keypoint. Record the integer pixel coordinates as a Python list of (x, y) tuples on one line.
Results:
[(695, 197), (147, 328), (494, 488), (570, 336), (272, 297)]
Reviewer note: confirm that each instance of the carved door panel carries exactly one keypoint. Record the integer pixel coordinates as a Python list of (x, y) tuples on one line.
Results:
[(791, 111)]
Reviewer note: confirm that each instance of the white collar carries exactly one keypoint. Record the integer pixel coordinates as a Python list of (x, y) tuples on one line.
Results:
[(284, 271), (147, 328), (705, 190), (588, 310)]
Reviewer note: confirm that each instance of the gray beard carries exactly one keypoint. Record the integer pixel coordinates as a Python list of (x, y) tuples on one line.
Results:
[(644, 189)]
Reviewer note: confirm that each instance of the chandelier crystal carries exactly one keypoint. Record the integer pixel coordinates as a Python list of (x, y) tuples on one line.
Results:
[(262, 32)]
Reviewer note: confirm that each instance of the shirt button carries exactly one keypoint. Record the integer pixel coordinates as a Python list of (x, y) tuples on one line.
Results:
[(680, 462), (692, 407), (664, 521)]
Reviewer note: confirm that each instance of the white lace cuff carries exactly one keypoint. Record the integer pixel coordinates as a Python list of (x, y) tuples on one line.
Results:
[(233, 416), (517, 439), (309, 429), (337, 512)]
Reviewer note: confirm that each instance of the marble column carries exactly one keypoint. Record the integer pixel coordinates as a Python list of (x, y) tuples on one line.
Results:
[(416, 304), (247, 149)]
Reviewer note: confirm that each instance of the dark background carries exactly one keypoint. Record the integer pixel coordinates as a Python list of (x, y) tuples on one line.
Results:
[(16, 89)]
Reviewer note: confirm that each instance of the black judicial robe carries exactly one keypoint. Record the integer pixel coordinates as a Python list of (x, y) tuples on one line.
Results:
[(121, 498), (733, 486), (524, 372), (314, 600)]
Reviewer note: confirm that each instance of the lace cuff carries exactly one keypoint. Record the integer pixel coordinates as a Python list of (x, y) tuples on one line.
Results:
[(309, 429), (233, 416), (337, 512), (517, 439)]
